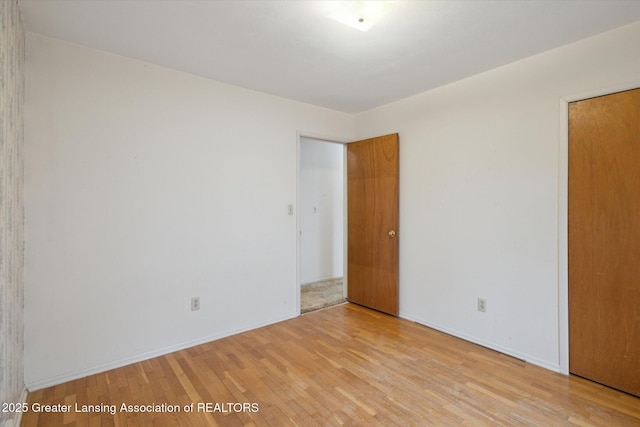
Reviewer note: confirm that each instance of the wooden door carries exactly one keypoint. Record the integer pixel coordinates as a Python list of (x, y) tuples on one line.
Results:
[(604, 240), (372, 223)]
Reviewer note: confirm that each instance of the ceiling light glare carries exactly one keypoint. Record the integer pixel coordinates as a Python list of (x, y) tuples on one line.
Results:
[(361, 15)]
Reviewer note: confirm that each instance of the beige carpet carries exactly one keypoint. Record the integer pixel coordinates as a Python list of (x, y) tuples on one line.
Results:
[(317, 295)]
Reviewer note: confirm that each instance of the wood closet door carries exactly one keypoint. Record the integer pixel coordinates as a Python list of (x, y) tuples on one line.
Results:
[(372, 223), (604, 240)]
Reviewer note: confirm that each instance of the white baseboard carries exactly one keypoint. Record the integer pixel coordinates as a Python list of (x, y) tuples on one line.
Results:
[(74, 375), (510, 352)]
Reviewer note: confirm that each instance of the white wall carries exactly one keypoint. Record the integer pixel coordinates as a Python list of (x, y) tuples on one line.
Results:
[(479, 193), (144, 187), (321, 210)]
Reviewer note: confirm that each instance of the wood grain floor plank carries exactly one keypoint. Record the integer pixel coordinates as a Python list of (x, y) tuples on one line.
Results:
[(343, 366)]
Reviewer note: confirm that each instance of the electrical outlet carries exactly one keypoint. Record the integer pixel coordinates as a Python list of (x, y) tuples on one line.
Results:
[(482, 305), (290, 209), (195, 303)]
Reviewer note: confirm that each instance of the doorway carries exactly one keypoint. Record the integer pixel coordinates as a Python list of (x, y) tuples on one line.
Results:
[(321, 211), (371, 176)]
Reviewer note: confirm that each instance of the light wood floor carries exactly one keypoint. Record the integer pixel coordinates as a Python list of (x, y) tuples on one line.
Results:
[(345, 365)]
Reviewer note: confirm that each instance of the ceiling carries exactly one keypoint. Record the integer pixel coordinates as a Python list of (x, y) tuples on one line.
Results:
[(293, 50)]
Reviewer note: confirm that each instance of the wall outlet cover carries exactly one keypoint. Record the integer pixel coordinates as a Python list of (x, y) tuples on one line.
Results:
[(482, 305)]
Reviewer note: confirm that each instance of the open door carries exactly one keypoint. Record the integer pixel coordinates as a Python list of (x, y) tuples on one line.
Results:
[(372, 223)]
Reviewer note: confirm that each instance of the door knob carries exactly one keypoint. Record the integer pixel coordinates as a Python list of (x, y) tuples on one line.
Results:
[(392, 233)]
